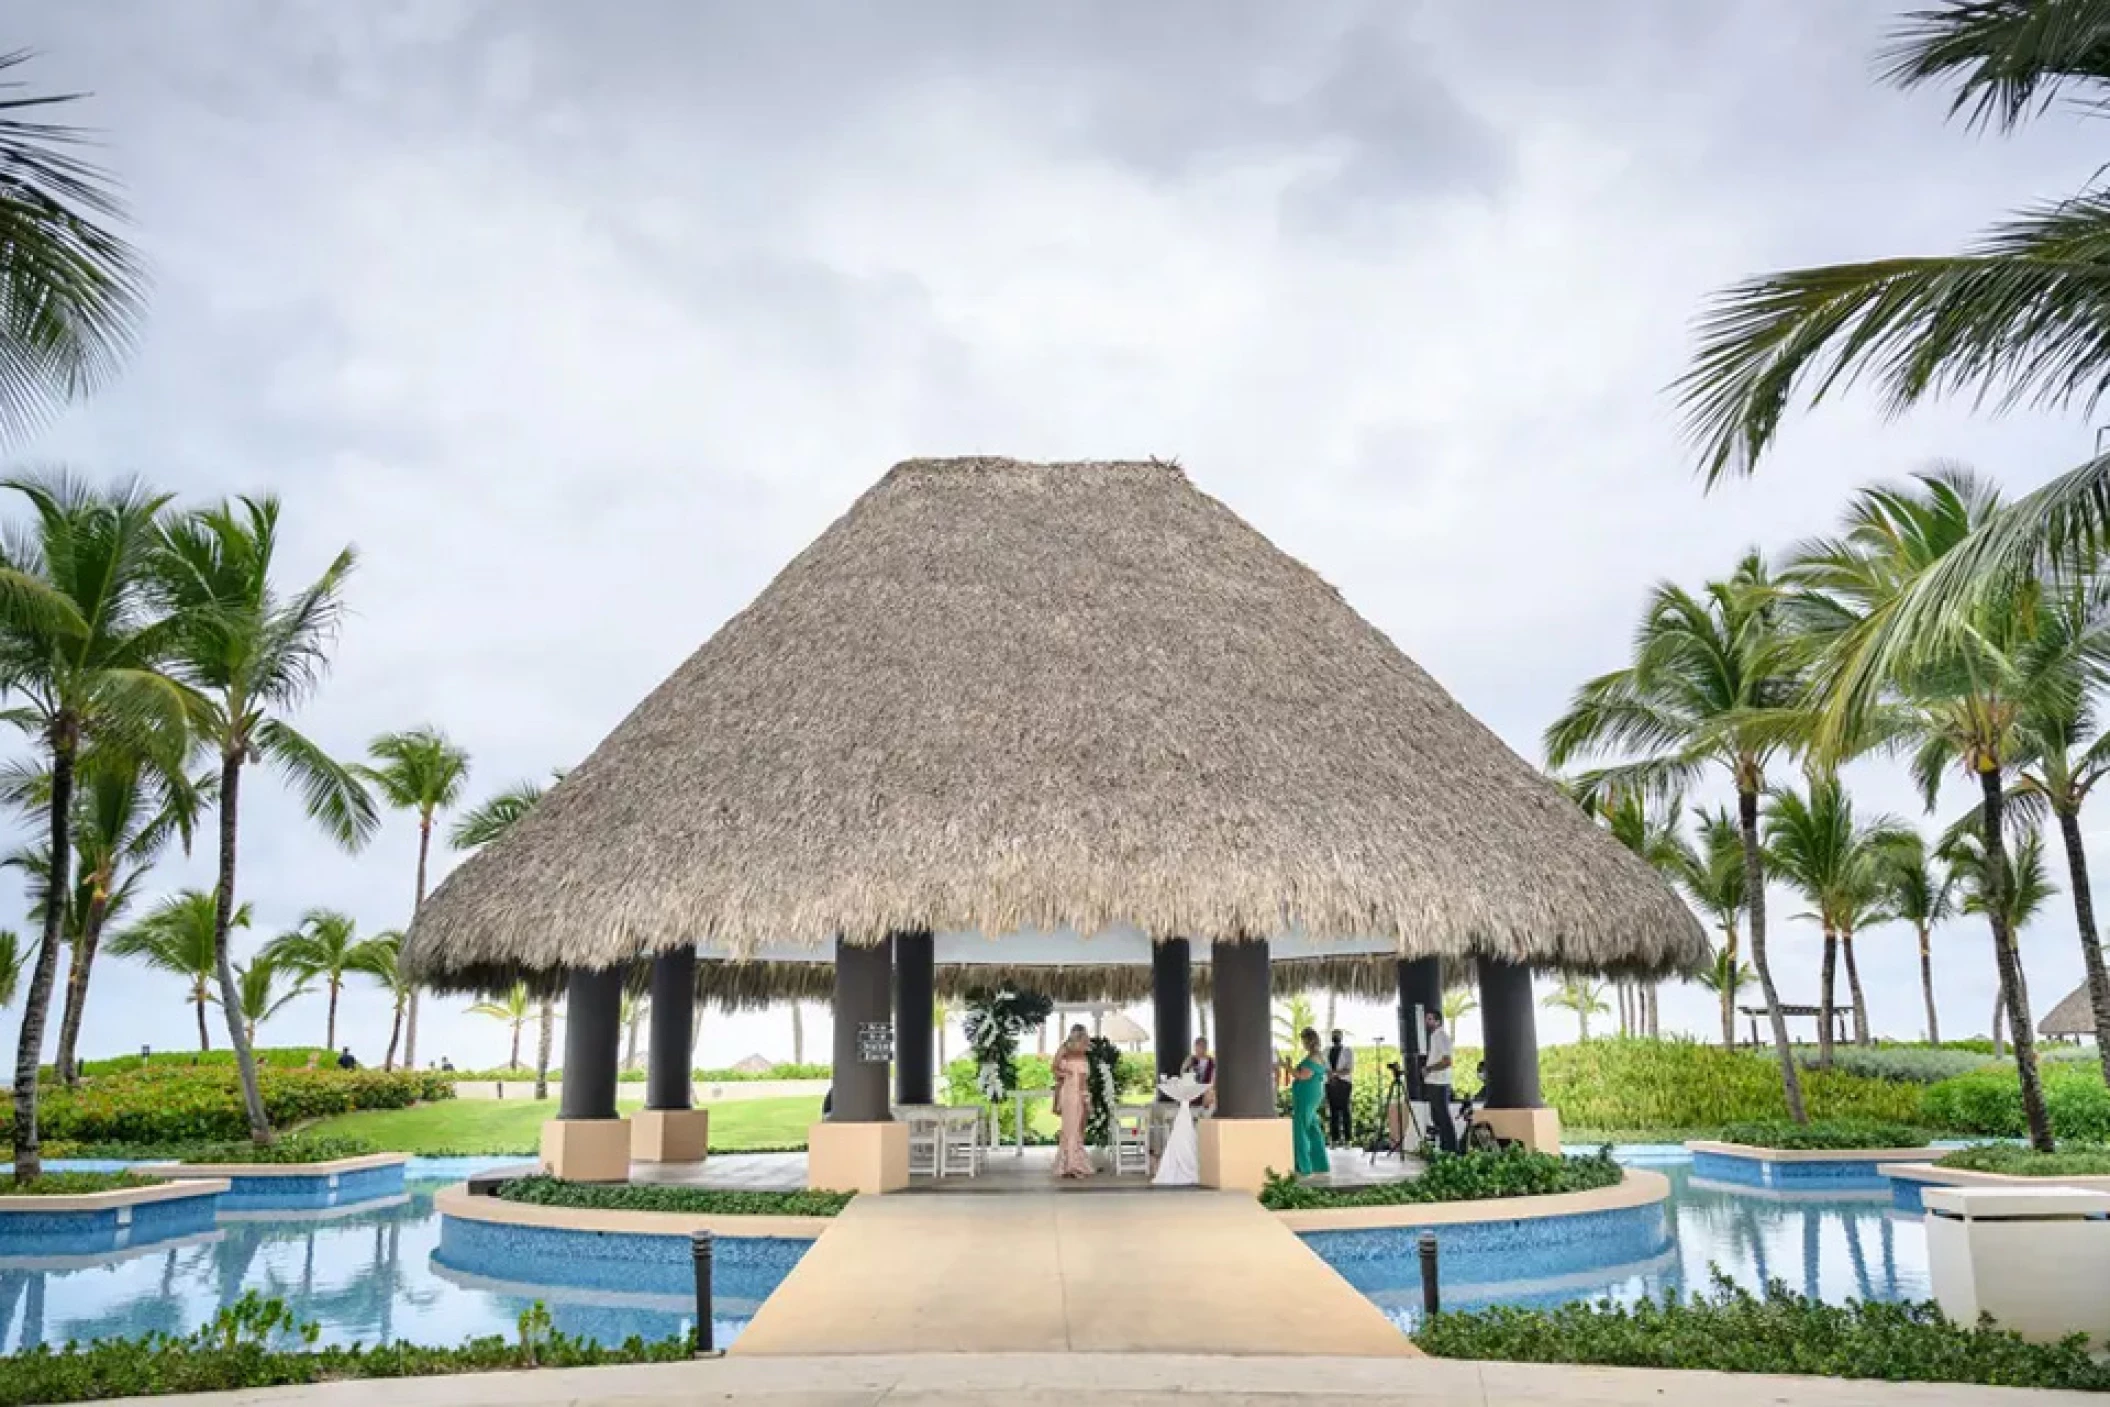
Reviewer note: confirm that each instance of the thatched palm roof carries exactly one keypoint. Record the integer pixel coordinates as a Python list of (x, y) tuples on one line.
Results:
[(1000, 696), (2071, 1017)]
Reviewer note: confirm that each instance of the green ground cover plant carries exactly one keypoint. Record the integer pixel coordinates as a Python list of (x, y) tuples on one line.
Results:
[(1842, 1134), (1913, 1065), (1728, 1329), (1629, 1082), (257, 1343), (2016, 1160), (167, 1104), (514, 1126), (1989, 1103), (300, 1148), (277, 1057), (1463, 1177), (544, 1191), (77, 1184)]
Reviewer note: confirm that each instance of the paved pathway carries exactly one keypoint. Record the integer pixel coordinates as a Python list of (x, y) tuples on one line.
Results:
[(1113, 1380), (1123, 1272)]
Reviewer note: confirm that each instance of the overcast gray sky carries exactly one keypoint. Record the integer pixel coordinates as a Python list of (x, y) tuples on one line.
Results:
[(581, 320)]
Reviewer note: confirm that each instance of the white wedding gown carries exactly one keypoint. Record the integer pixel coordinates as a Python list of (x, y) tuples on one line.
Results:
[(1180, 1164)]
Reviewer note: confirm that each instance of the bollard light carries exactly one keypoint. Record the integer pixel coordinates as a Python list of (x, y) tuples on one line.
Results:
[(1431, 1302), (700, 1252)]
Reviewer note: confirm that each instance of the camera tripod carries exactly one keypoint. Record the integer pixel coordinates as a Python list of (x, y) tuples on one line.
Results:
[(1383, 1140)]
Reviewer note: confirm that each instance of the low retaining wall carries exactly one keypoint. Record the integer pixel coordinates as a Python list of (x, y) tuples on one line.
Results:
[(97, 1222), (1507, 1238), (1907, 1180), (295, 1187), (1800, 1169), (595, 1249)]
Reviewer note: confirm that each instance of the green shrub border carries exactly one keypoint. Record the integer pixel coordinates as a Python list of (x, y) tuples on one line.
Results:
[(543, 1191), (1457, 1177)]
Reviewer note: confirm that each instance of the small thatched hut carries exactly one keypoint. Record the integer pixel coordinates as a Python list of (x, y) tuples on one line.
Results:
[(2073, 1016), (1006, 698)]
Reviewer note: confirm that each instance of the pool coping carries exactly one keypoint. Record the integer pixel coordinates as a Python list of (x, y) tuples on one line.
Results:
[(1638, 1187), (1757, 1153), (193, 1172), (115, 1198), (1972, 1177), (457, 1202)]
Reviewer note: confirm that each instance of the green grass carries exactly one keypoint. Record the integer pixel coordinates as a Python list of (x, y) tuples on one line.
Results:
[(507, 1126), (2077, 1160), (76, 1184)]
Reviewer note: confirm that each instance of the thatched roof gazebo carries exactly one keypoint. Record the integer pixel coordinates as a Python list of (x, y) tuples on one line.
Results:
[(2071, 1017), (1005, 698)]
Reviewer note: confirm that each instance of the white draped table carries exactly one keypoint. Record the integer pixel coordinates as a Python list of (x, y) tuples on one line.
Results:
[(1179, 1165)]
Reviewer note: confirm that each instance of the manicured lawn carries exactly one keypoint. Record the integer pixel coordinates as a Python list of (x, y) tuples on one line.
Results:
[(515, 1125)]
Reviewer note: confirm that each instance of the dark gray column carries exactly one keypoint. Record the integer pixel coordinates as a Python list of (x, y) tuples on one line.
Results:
[(864, 979), (1245, 1053), (1510, 1029), (1420, 984), (1171, 999), (673, 1018), (915, 980), (593, 1038)]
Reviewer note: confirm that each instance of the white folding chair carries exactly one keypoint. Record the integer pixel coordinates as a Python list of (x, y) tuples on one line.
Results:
[(960, 1140), (924, 1155), (1132, 1139)]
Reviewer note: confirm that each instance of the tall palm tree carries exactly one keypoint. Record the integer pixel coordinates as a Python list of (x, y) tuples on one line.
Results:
[(422, 772), (80, 656), (636, 1006), (1916, 894), (1581, 995), (1725, 977), (1650, 832), (326, 945), (70, 287), (1715, 682), (257, 986), (11, 959), (179, 936), (1713, 881), (798, 1036), (380, 957), (255, 656), (495, 815), (1458, 1003), (545, 1041), (2027, 889), (514, 1008)]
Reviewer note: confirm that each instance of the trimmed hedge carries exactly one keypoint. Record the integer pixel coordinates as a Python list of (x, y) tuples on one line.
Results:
[(2076, 1161), (1989, 1103), (277, 1057), (286, 1150), (1631, 1082), (1463, 1177), (75, 1184), (544, 1191), (162, 1104), (1842, 1134)]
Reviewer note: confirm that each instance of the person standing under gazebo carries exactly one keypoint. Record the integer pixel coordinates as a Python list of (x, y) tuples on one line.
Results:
[(1073, 1073), (1306, 1092)]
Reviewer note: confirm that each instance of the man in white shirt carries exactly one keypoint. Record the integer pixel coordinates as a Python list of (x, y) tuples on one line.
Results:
[(1340, 1093), (1436, 1079)]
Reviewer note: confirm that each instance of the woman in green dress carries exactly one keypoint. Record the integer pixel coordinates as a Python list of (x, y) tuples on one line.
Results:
[(1307, 1092)]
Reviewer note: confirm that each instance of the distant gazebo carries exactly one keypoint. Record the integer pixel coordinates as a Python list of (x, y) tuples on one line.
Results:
[(1081, 713), (2072, 1019)]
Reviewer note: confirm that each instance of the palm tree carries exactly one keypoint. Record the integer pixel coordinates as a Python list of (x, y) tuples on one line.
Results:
[(513, 1009), (70, 287), (257, 985), (2026, 890), (545, 1042), (1715, 682), (380, 957), (940, 1013), (1458, 1003), (1725, 976), (1916, 894), (1581, 995), (636, 1006), (11, 959), (326, 945), (483, 824), (79, 655), (419, 771), (1650, 832), (178, 936), (1293, 1018), (255, 656), (1713, 880), (798, 1036)]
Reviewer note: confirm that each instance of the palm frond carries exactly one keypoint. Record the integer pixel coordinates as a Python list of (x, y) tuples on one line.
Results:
[(328, 789), (2008, 59)]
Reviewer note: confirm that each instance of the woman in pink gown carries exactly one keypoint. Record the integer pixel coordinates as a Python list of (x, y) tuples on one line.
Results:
[(1073, 1071)]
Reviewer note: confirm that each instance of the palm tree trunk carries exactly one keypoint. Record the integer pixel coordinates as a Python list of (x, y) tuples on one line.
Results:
[(199, 1000), (1927, 984), (1332, 998), (1729, 987), (513, 1060), (798, 1037), (410, 1020), (329, 1038), (543, 1041), (2000, 1021), (1827, 1005), (29, 1049), (637, 1019), (1853, 986), (2014, 986), (223, 924), (77, 986), (395, 1033), (1755, 906), (2091, 941)]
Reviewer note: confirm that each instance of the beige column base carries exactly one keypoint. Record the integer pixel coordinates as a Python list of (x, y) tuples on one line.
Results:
[(670, 1135), (1537, 1129), (587, 1150), (857, 1157), (1240, 1153)]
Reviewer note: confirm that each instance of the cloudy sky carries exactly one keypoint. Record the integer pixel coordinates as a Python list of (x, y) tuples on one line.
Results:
[(580, 321)]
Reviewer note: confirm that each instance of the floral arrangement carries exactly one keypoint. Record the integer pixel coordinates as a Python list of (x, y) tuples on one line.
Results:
[(993, 1025), (1102, 1061)]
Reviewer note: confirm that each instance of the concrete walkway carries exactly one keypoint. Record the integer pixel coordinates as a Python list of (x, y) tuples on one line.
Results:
[(1121, 1272), (1109, 1380)]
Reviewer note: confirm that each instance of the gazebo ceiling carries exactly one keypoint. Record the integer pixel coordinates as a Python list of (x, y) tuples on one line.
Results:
[(1004, 697)]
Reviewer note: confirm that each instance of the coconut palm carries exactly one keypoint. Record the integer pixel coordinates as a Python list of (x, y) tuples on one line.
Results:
[(1458, 1003), (1726, 977), (380, 957), (422, 772), (514, 1008), (1715, 683), (80, 650), (255, 655), (178, 936), (482, 824), (70, 287), (545, 1042), (11, 959), (257, 985), (326, 945), (1292, 1018), (2027, 889), (1713, 881), (1651, 832), (636, 1006), (1581, 995), (1917, 894), (798, 1036)]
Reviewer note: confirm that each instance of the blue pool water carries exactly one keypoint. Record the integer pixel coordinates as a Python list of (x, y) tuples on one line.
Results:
[(372, 1274)]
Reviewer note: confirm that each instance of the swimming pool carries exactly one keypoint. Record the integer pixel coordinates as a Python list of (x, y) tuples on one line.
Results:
[(370, 1274)]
